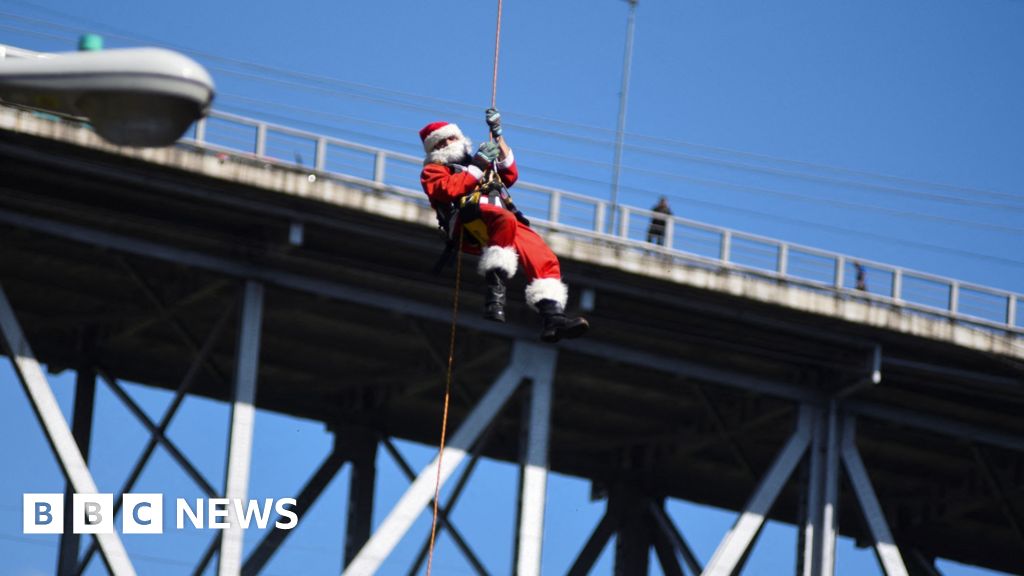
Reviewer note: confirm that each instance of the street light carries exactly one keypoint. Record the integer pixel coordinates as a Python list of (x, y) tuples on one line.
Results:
[(620, 126), (131, 96)]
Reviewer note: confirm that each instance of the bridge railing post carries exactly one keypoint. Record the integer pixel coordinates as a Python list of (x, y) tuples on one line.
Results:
[(783, 263), (623, 221), (840, 272), (200, 130), (554, 206), (261, 139), (599, 216), (1011, 310), (379, 166), (320, 160), (726, 246), (897, 284), (954, 297)]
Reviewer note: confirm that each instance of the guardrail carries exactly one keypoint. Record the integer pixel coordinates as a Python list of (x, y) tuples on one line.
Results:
[(584, 216)]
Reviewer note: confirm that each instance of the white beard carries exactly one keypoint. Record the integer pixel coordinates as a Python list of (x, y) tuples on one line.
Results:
[(458, 152)]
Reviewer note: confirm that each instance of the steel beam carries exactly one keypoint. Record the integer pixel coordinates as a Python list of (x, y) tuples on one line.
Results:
[(420, 493), (362, 452), (59, 435), (733, 548), (243, 419), (938, 424), (692, 369), (238, 268), (723, 431), (595, 544), (924, 566), (665, 551), (885, 545), (812, 521), (819, 537), (534, 476), (830, 494), (81, 429), (442, 511), (172, 409), (1005, 505), (307, 497), (162, 309), (159, 436), (155, 432), (633, 532), (674, 537)]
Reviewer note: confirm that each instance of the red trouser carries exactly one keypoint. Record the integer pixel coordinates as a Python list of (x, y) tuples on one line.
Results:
[(503, 229)]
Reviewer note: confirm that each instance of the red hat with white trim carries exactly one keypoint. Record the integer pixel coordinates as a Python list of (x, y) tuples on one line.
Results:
[(435, 132)]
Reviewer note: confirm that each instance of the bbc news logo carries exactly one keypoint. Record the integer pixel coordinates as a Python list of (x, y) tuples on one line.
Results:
[(144, 513)]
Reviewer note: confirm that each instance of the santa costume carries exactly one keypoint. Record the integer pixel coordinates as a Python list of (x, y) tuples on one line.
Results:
[(449, 174)]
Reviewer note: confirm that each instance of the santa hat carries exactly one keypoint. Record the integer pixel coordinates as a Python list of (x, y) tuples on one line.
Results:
[(435, 132)]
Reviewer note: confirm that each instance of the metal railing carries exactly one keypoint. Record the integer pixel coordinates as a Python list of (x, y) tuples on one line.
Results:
[(585, 217)]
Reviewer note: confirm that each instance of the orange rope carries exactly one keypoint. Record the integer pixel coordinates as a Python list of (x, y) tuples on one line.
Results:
[(447, 396), (455, 316)]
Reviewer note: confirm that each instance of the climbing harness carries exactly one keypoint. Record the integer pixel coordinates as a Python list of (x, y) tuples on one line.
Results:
[(455, 309), (466, 213)]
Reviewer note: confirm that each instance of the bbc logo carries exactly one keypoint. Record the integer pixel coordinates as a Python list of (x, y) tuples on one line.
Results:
[(93, 514)]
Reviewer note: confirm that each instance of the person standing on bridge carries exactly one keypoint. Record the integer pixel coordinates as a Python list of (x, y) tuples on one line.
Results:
[(470, 194), (656, 231)]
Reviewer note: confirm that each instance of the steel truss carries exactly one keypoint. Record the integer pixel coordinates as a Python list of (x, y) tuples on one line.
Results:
[(824, 437)]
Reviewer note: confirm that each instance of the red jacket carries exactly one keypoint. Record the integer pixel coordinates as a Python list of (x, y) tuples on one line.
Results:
[(444, 184)]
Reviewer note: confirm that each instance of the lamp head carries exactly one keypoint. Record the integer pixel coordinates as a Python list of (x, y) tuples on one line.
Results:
[(132, 97)]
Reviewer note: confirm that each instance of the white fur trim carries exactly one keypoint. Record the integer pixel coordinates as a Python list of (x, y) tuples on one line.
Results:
[(501, 258), (458, 152), (546, 289), (476, 172), (440, 134), (508, 161)]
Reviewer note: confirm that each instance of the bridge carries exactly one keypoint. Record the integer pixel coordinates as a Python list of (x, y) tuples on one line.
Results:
[(723, 368)]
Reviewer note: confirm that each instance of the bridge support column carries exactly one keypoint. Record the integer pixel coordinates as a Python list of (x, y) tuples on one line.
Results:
[(243, 419), (731, 552), (525, 356), (363, 455), (56, 428), (819, 530), (885, 546), (634, 538), (533, 472)]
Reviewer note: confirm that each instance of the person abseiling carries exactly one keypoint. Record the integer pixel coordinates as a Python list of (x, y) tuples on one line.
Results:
[(469, 191)]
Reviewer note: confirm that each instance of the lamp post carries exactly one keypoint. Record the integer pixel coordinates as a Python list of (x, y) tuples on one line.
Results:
[(621, 125)]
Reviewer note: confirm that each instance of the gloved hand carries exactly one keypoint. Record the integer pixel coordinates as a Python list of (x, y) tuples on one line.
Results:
[(486, 155), (493, 118)]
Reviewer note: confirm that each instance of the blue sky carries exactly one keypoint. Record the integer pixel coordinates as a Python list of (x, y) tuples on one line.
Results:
[(886, 130)]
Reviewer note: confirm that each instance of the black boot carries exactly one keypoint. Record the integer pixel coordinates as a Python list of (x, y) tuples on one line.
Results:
[(494, 305), (557, 325)]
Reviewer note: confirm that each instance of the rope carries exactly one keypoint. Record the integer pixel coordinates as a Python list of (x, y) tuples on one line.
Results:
[(447, 397), (455, 315), (497, 46)]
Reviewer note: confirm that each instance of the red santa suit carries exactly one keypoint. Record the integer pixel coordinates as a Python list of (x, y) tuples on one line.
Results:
[(448, 174)]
